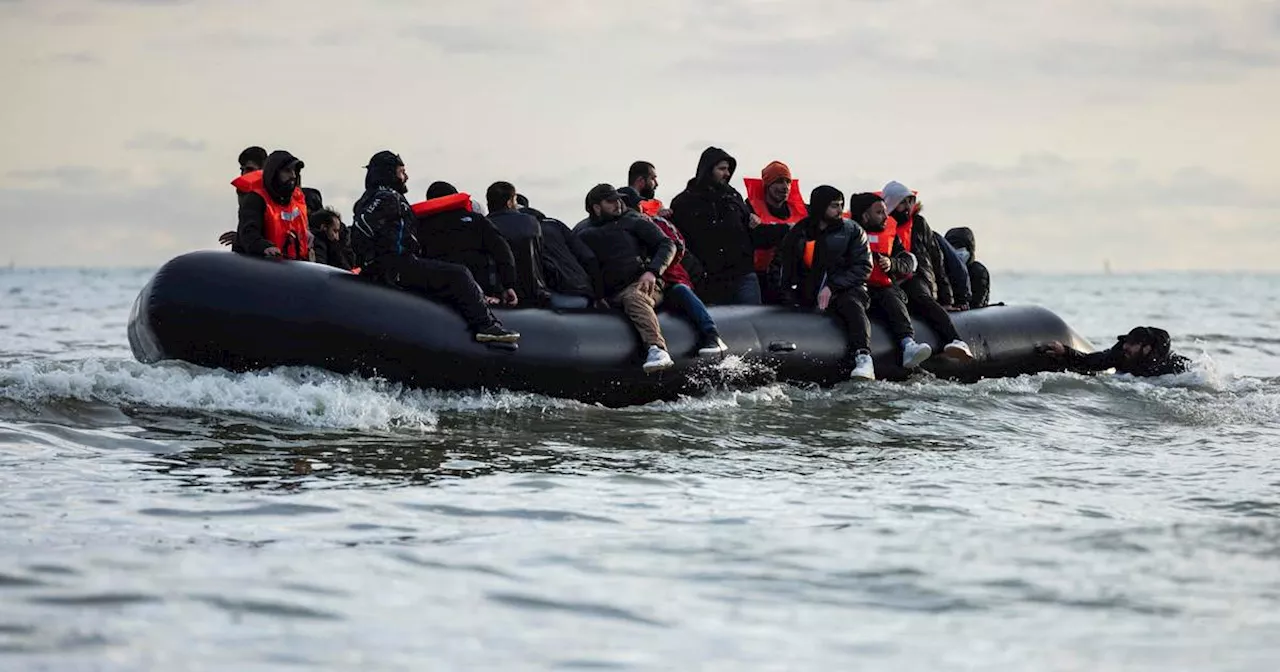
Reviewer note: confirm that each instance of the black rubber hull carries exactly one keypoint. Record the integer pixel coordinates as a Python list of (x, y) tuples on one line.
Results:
[(224, 310)]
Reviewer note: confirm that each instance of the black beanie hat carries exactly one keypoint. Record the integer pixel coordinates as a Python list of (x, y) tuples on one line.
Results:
[(858, 204), (440, 188)]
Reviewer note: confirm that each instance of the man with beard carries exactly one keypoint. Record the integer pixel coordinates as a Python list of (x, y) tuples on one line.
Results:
[(382, 238), (273, 210), (632, 254), (825, 263), (719, 227), (1143, 352), (775, 199)]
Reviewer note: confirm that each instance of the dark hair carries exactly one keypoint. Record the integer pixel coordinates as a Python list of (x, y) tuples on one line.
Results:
[(637, 170), (522, 201), (439, 188), (499, 195), (322, 218), (255, 155)]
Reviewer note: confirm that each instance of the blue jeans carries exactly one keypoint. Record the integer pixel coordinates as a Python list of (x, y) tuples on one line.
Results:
[(683, 298), (568, 301)]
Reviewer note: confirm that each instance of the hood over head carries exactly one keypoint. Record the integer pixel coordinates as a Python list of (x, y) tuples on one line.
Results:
[(710, 157), (1155, 337), (277, 161), (894, 194), (820, 198), (962, 237), (381, 172)]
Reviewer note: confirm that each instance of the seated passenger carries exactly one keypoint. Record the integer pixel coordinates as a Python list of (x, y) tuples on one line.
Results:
[(449, 230), (632, 254), (642, 178), (776, 200), (251, 159), (890, 264), (327, 235), (921, 286), (273, 210), (962, 239), (678, 287), (382, 238), (957, 276), (825, 263), (523, 234), (1144, 351), (568, 265)]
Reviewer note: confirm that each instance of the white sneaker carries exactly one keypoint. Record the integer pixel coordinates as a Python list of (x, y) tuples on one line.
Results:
[(958, 350), (657, 360), (863, 368), (914, 354), (710, 346)]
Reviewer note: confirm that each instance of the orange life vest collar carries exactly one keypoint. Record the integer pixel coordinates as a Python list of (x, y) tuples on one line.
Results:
[(439, 204), (760, 205), (284, 226)]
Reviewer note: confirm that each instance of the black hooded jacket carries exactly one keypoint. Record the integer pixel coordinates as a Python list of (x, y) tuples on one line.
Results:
[(979, 277), (383, 222), (930, 266), (714, 220), (568, 265), (841, 255), (624, 248), (523, 234), (250, 237), (1161, 362), (468, 238)]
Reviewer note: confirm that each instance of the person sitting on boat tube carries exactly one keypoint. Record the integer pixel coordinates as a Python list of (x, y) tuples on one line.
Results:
[(1144, 352), (524, 234), (678, 287), (385, 248), (891, 263), (632, 255), (961, 238), (642, 177), (448, 229), (566, 261), (777, 201), (327, 235), (273, 210), (250, 159), (824, 263), (921, 285)]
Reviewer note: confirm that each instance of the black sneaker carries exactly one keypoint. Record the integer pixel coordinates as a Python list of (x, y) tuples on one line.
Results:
[(710, 345), (496, 333)]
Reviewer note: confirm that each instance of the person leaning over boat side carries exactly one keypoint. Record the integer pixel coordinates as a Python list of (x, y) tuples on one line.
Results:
[(921, 286), (719, 227), (327, 235), (382, 238), (448, 229), (777, 202), (824, 263), (1144, 351), (251, 159), (567, 263), (961, 238), (678, 288), (523, 234), (891, 262), (273, 210), (632, 255)]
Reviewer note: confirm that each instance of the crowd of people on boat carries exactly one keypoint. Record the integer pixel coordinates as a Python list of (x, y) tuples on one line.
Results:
[(870, 254)]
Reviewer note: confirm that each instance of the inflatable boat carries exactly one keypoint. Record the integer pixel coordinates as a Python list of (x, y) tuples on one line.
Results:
[(223, 310)]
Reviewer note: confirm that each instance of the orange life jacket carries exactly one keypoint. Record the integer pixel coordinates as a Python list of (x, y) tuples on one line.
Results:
[(440, 204), (651, 207), (284, 226), (756, 199), (881, 243)]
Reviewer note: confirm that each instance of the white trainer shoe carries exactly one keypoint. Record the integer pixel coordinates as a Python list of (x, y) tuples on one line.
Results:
[(958, 350), (657, 360), (863, 368), (914, 354)]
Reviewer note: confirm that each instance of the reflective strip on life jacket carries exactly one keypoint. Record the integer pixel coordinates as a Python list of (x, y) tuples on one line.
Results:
[(881, 243), (284, 226), (440, 204), (759, 205)]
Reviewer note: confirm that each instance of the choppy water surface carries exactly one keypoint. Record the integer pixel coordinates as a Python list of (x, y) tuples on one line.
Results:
[(179, 518)]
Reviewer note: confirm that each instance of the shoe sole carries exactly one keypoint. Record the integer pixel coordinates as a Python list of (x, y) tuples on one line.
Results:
[(957, 354), (925, 352), (708, 352), (490, 338), (657, 367), (856, 377)]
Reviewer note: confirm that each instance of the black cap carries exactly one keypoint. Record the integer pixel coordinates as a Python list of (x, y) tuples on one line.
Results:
[(1156, 337), (630, 197), (601, 192)]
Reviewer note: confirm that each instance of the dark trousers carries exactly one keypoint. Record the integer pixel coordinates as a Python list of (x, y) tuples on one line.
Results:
[(742, 290), (451, 284), (850, 308), (921, 302), (890, 303)]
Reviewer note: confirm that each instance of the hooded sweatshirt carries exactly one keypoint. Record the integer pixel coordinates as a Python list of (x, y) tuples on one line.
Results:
[(841, 256), (930, 273), (383, 222), (713, 217), (961, 238), (249, 234)]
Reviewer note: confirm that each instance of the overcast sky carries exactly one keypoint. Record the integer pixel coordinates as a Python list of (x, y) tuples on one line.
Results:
[(1065, 132)]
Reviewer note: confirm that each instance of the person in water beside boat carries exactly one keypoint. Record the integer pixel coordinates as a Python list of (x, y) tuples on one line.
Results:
[(632, 255), (678, 287), (1144, 351), (961, 238), (524, 234), (273, 210), (448, 229), (385, 247), (567, 263), (921, 284), (824, 263), (777, 201)]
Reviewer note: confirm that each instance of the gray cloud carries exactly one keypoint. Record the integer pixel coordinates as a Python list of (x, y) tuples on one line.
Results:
[(70, 177), (469, 40), (160, 142)]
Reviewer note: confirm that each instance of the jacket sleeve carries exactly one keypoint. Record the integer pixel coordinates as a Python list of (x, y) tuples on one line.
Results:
[(249, 233), (941, 281), (857, 264), (320, 248), (980, 282), (1094, 361), (661, 249), (500, 251), (786, 258), (957, 274), (902, 262)]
